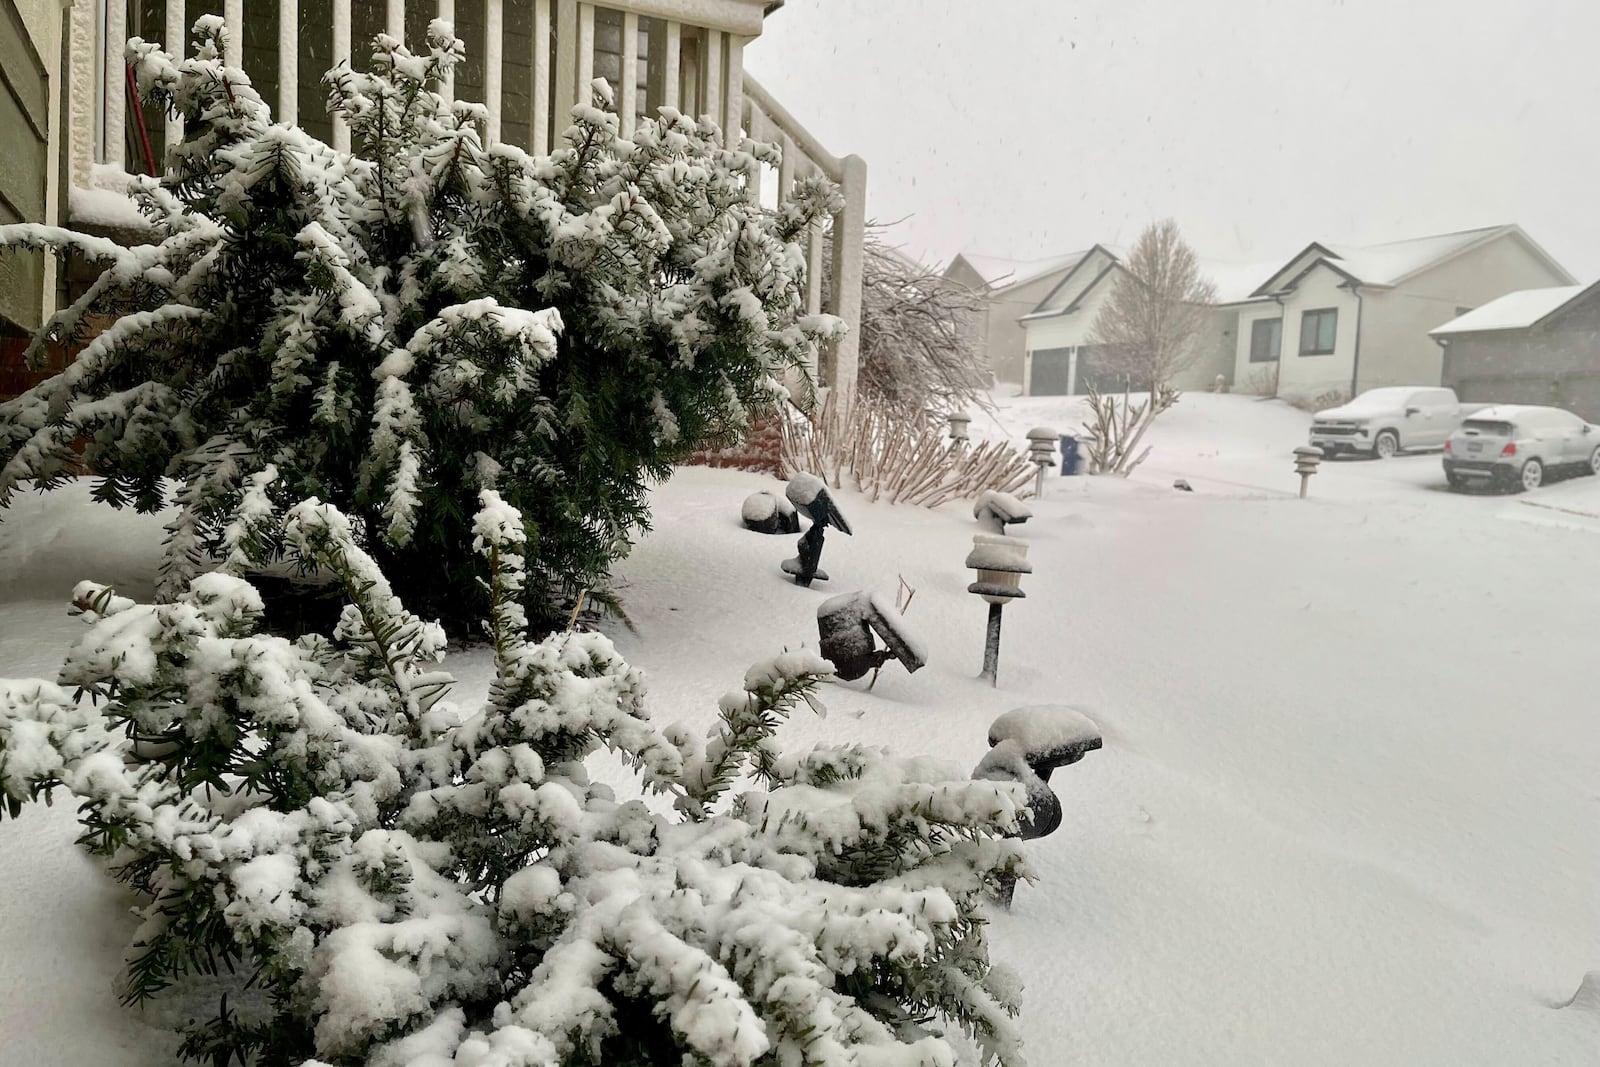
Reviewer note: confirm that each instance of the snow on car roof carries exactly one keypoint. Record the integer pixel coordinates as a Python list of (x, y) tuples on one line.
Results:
[(1509, 412)]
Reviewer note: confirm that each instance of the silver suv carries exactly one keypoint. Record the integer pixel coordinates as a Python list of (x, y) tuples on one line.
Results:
[(1516, 447)]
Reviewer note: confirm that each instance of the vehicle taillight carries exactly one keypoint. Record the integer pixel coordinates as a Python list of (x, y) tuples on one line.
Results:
[(1447, 448), (1510, 449)]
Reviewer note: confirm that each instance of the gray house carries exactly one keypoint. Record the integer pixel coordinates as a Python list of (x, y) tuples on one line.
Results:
[(1535, 346)]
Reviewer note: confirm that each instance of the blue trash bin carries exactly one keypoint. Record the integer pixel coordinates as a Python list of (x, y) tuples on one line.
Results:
[(1070, 456)]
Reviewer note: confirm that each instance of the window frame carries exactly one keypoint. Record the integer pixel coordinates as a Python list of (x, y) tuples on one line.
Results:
[(1317, 315), (1255, 330)]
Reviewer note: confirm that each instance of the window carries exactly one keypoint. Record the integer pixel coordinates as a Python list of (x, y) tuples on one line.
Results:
[(1266, 340), (1318, 329)]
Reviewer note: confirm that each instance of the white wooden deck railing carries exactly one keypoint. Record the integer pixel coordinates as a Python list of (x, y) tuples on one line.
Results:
[(696, 67)]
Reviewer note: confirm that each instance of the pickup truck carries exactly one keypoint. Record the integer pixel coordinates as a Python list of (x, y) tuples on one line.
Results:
[(1384, 422)]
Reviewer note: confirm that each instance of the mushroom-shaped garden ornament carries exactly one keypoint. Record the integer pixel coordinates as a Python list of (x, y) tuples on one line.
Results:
[(769, 513), (847, 624), (1027, 744), (810, 494), (1051, 735)]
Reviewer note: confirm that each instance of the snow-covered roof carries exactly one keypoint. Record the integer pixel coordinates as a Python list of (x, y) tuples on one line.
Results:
[(1236, 282), (1393, 262), (1514, 310), (1000, 273)]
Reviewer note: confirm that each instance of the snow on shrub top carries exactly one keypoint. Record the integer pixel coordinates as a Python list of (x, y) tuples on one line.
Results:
[(405, 881), (395, 328)]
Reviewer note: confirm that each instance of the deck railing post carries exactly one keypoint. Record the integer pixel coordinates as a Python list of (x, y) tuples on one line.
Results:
[(849, 235)]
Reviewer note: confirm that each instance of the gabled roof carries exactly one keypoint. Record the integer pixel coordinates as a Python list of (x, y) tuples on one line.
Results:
[(1233, 282), (1515, 311), (1390, 264), (1041, 310), (1000, 273)]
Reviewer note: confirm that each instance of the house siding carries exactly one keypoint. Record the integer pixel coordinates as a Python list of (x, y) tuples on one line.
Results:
[(1258, 379), (1395, 346), (1006, 340), (30, 49), (1309, 377), (1071, 330)]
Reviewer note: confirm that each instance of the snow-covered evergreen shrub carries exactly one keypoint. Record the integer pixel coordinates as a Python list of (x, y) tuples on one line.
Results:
[(404, 883), (397, 327)]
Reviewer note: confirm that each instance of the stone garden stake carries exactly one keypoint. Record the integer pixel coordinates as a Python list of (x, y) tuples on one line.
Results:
[(810, 494), (1306, 460), (847, 624), (1000, 562), (769, 513), (1042, 453), (997, 510), (1026, 745)]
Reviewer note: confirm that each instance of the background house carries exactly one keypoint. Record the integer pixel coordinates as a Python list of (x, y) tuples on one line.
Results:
[(1537, 346), (528, 61), (1060, 357), (1009, 289), (1340, 319)]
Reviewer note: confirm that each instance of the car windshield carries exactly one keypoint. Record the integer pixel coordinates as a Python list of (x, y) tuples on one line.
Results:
[(1487, 427), (1377, 400)]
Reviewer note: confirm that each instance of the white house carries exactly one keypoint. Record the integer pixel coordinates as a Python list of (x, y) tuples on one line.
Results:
[(1009, 289), (1332, 319), (528, 61), (1340, 319), (1059, 356)]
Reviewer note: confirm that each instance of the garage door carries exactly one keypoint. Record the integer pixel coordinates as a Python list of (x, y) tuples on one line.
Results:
[(1052, 372)]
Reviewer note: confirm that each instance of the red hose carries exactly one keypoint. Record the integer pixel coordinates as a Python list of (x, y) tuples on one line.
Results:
[(138, 116)]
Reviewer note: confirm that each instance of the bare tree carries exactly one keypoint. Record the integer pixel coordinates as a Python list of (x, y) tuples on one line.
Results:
[(1147, 332), (918, 347), (1150, 326)]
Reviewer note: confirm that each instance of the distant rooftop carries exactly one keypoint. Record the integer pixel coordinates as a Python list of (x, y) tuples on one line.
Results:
[(998, 272), (1513, 311)]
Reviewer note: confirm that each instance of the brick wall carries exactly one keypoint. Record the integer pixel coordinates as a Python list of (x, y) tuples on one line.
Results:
[(760, 451)]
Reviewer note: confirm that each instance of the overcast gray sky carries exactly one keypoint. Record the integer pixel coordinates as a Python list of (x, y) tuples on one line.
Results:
[(1027, 128)]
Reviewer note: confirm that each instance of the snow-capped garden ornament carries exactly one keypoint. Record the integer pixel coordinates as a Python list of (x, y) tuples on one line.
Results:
[(810, 494), (401, 325), (959, 421), (396, 880), (997, 510), (1307, 458), (767, 512), (1026, 745), (1000, 562), (846, 625), (1042, 453)]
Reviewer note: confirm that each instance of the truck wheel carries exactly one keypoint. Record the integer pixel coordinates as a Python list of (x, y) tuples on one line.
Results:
[(1385, 445), (1594, 462), (1532, 476)]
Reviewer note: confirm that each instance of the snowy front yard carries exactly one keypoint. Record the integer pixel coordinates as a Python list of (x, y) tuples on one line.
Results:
[(1348, 808)]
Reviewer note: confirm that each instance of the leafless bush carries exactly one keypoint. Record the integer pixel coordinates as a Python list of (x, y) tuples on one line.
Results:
[(1330, 398), (1264, 379), (1116, 426), (919, 339), (867, 446)]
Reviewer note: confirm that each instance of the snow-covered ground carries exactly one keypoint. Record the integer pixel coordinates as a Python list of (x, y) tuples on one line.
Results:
[(1348, 808)]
